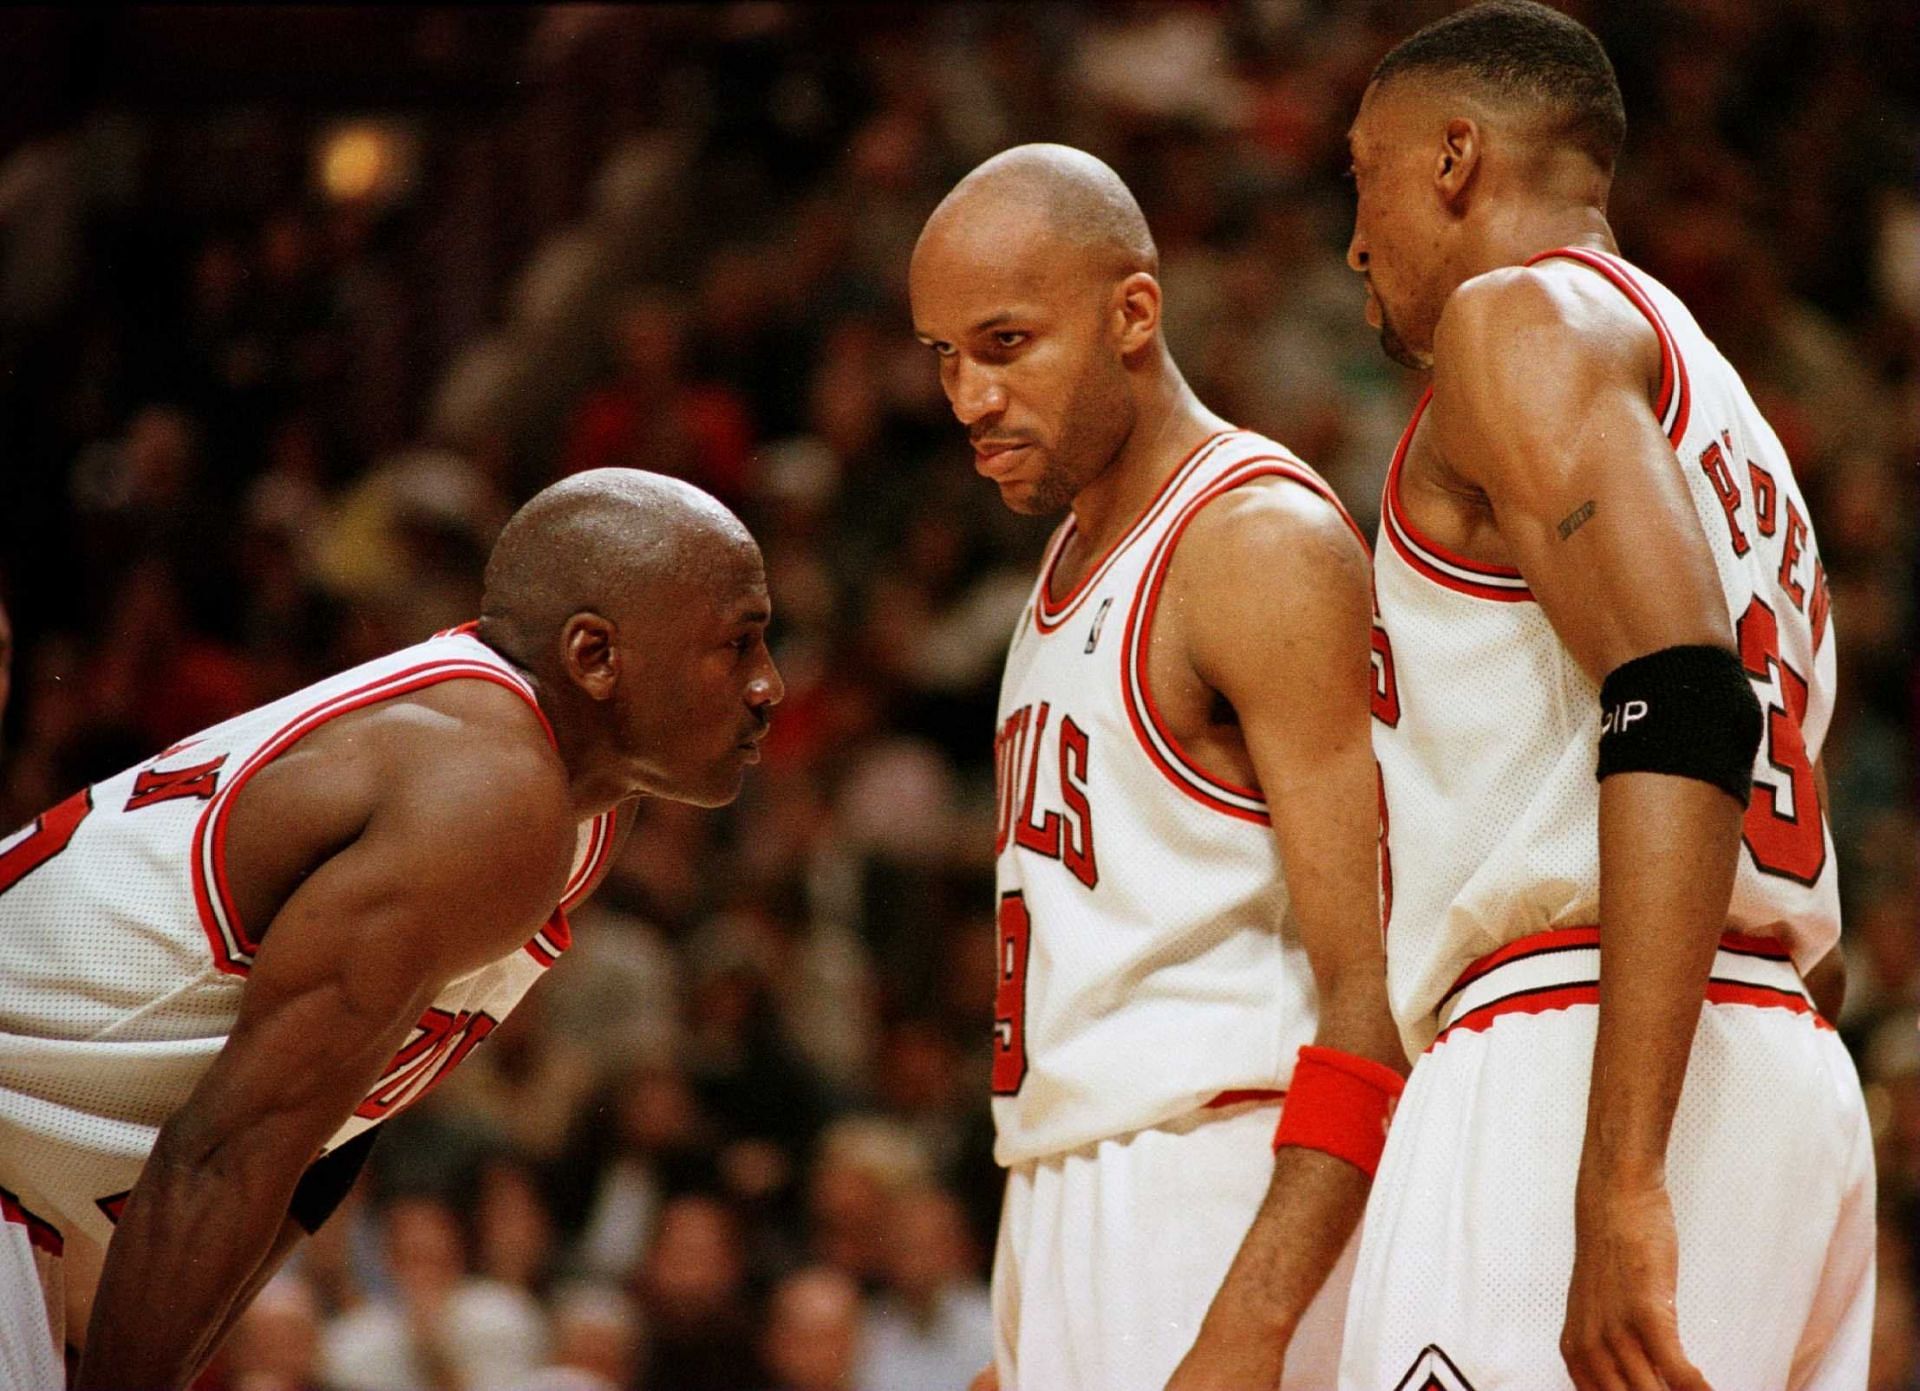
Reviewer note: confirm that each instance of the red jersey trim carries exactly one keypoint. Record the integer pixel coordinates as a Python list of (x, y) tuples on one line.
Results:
[(547, 945), (1235, 1096), (1048, 615), (1673, 405), (1150, 728), (1427, 557), (40, 1232), (599, 847), (233, 947)]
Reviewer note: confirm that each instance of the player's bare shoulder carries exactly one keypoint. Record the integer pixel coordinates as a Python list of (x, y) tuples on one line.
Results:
[(1270, 574), (463, 770), (1270, 540), (487, 759), (1520, 321), (1520, 351)]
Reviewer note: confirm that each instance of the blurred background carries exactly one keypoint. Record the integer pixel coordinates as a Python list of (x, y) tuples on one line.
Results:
[(297, 304)]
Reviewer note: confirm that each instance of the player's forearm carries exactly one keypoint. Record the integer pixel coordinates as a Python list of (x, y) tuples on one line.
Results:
[(1312, 1206), (189, 1241), (1315, 1199), (283, 1245), (1667, 858)]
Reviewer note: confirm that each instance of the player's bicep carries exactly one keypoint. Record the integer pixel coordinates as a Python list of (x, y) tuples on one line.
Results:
[(1278, 601), (1547, 409), (1281, 626)]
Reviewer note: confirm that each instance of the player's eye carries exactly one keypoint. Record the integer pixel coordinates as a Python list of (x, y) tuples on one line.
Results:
[(1009, 337), (942, 349)]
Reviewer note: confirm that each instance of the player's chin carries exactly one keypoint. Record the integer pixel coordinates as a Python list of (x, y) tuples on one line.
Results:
[(713, 786), (1026, 498)]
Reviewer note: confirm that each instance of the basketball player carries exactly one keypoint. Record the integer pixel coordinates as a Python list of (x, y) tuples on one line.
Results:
[(1188, 822), (1632, 1153), (225, 965)]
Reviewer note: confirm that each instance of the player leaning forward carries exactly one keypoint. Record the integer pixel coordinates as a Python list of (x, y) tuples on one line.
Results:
[(225, 965), (1593, 547), (1188, 832)]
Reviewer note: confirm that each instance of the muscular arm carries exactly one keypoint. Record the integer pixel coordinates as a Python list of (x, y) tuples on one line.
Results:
[(1542, 391), (463, 850), (1277, 610)]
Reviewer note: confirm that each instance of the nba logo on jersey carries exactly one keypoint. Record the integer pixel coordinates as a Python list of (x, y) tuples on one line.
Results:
[(1099, 622), (1433, 1370)]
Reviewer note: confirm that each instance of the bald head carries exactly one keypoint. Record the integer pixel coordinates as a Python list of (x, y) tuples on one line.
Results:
[(1034, 285), (1053, 198), (613, 541), (639, 606)]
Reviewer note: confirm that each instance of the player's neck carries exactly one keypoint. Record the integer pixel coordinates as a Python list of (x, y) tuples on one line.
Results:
[(1169, 427), (598, 777), (1515, 236)]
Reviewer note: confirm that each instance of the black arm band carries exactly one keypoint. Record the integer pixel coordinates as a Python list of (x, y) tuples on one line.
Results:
[(1688, 711), (328, 1180)]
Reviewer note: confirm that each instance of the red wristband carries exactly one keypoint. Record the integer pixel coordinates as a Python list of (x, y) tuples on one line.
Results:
[(1340, 1104)]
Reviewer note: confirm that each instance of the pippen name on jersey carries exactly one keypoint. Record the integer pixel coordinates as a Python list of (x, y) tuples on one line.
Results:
[(1769, 518), (1065, 833)]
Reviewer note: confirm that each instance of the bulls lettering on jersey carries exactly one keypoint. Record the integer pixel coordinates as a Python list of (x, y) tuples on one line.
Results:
[(1486, 741), (1146, 961), (126, 956)]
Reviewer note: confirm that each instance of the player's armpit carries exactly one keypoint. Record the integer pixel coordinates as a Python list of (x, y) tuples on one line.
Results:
[(460, 860), (1542, 399)]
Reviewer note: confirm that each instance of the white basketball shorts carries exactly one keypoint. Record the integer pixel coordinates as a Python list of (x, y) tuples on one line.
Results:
[(1461, 1283), (1109, 1256)]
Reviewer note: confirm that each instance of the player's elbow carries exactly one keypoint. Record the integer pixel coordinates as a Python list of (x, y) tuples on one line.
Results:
[(193, 1154)]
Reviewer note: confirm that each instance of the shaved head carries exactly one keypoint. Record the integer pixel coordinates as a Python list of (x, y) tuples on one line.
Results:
[(1061, 195), (1034, 283), (606, 540), (638, 604)]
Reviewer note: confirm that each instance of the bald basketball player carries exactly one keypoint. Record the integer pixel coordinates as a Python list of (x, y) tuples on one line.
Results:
[(1188, 832), (226, 965), (1631, 1154)]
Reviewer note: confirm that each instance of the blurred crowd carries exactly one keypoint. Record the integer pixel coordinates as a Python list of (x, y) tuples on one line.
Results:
[(296, 306)]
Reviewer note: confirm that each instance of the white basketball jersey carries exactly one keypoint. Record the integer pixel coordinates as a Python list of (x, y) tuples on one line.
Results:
[(1487, 730), (125, 959), (1147, 963)]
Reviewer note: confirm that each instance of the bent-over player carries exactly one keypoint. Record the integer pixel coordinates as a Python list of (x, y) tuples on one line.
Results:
[(1632, 1151), (1188, 833), (224, 966)]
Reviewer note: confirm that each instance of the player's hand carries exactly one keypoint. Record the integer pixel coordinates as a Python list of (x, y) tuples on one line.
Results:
[(987, 1379), (1223, 1362), (1622, 1331)]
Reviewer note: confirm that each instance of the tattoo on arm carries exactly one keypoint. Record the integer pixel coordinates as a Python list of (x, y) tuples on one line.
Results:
[(1575, 519)]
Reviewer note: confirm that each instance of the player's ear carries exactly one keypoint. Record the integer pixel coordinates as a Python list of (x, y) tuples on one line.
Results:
[(1457, 159), (1137, 311), (588, 655)]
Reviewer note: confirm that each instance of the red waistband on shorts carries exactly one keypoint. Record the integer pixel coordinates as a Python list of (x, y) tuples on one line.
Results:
[(1560, 968)]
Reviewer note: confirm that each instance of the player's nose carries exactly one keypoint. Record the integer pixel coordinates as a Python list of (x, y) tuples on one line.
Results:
[(1357, 251), (975, 394), (767, 688)]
